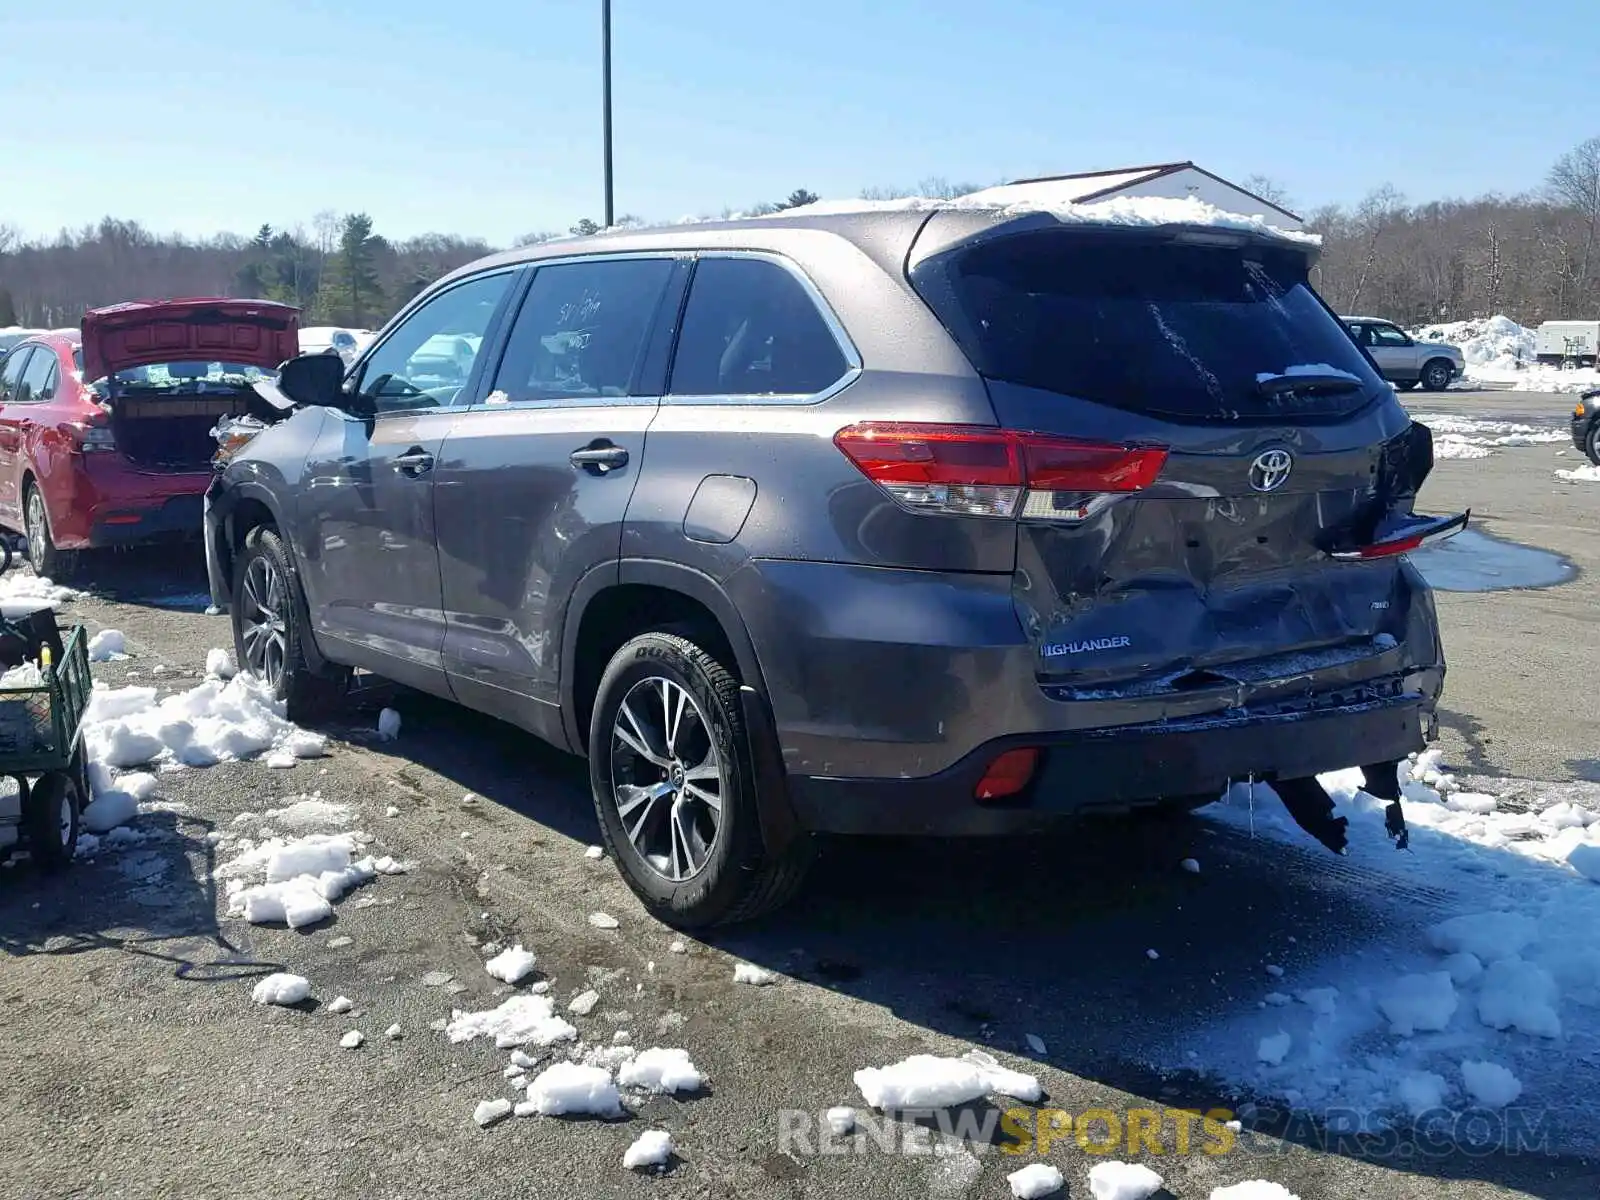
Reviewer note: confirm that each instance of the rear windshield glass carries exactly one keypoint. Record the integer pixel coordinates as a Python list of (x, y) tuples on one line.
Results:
[(1182, 331)]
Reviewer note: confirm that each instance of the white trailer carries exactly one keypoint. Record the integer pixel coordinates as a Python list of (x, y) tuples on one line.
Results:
[(1568, 343)]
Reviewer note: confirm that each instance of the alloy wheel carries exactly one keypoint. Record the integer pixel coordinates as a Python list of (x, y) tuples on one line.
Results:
[(263, 624), (667, 778), (38, 530)]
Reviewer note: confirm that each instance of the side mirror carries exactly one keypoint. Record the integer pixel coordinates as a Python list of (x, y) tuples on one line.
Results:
[(313, 380)]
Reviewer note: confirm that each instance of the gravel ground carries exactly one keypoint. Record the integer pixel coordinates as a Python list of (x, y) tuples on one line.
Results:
[(140, 1067)]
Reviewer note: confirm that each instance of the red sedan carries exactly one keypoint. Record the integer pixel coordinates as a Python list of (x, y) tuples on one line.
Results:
[(105, 440)]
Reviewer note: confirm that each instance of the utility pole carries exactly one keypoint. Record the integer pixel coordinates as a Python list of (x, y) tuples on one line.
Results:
[(605, 83)]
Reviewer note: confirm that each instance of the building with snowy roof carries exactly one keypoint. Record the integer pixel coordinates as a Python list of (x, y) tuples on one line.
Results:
[(1173, 181)]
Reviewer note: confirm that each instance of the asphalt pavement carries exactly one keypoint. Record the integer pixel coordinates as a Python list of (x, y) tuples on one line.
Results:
[(137, 1066)]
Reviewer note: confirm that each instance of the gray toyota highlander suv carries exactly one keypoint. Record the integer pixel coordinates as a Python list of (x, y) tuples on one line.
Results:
[(943, 520)]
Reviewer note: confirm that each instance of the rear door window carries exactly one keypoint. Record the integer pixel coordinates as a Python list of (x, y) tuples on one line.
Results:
[(1181, 331), (582, 329), (751, 329), (11, 374), (38, 380)]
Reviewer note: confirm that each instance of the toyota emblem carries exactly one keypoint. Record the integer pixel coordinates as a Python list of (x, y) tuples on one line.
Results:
[(1270, 469)]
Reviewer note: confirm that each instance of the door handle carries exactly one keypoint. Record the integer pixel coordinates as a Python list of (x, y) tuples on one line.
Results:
[(598, 458), (413, 462)]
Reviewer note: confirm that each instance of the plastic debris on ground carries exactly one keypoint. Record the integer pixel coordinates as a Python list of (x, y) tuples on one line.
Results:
[(388, 724), (602, 920)]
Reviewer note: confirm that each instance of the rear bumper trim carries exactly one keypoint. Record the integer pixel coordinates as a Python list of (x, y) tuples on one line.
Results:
[(1130, 767)]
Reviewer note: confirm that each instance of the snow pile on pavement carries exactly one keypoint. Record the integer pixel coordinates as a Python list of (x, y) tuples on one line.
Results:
[(108, 645), (1122, 1181), (1588, 473), (1497, 342), (652, 1148), (210, 723), (281, 988), (660, 1071), (1036, 1179), (19, 586), (511, 966), (1472, 437), (1498, 350), (1255, 1189), (303, 877), (519, 1021), (488, 1112), (753, 975), (571, 1089), (1494, 995), (929, 1081)]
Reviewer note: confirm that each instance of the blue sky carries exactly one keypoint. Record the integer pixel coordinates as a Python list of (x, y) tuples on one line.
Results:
[(482, 116)]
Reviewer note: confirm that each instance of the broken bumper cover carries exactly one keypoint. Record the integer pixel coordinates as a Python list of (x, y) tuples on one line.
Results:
[(1127, 767)]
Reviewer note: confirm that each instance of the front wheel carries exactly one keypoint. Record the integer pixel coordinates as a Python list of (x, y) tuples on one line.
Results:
[(669, 768), (1436, 375), (1592, 443), (270, 628)]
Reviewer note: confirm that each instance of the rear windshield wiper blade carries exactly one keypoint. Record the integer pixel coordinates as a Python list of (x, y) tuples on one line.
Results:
[(1306, 381)]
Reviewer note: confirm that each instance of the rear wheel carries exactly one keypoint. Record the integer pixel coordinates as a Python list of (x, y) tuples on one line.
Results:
[(1436, 375), (51, 819), (47, 561), (669, 768), (270, 627)]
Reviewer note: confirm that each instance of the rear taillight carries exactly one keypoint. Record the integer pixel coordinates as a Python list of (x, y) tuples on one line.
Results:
[(980, 471), (1008, 774)]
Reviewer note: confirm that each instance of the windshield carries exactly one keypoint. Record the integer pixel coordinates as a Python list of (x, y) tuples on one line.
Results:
[(1183, 331), (185, 377)]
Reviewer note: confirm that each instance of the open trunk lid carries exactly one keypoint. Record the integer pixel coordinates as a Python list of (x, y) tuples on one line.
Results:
[(144, 333), (1266, 542)]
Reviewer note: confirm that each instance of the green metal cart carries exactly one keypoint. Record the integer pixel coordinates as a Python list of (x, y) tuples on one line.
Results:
[(41, 740)]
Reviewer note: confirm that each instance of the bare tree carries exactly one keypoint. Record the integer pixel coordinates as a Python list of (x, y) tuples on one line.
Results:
[(1269, 189), (1574, 181)]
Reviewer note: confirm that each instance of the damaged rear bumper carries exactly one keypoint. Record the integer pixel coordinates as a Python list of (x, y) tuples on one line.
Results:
[(1131, 766)]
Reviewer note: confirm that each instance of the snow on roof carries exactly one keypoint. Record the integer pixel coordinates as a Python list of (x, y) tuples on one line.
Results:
[(1149, 211)]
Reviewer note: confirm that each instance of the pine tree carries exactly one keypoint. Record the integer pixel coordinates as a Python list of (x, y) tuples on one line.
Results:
[(799, 198), (350, 292), (585, 228)]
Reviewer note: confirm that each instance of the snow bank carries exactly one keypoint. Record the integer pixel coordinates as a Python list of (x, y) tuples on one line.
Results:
[(1501, 968), (572, 1089), (929, 1081), (20, 585), (520, 1021), (1122, 1181), (652, 1148), (210, 723), (281, 988), (1498, 350), (1036, 1179), (660, 1071)]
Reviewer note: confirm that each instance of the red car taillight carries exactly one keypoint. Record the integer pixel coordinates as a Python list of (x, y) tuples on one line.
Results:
[(94, 437), (980, 471)]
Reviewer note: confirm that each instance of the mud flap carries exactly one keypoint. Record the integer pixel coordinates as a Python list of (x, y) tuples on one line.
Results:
[(1383, 782), (1311, 807)]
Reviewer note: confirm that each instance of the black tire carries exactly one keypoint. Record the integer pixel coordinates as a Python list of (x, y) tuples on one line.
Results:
[(1592, 442), (52, 820), (46, 560), (736, 878), (1436, 374), (276, 654)]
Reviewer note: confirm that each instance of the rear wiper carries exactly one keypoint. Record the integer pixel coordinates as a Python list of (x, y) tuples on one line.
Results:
[(1305, 381)]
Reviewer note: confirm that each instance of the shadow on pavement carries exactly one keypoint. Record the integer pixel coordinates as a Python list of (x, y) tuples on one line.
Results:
[(151, 896)]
